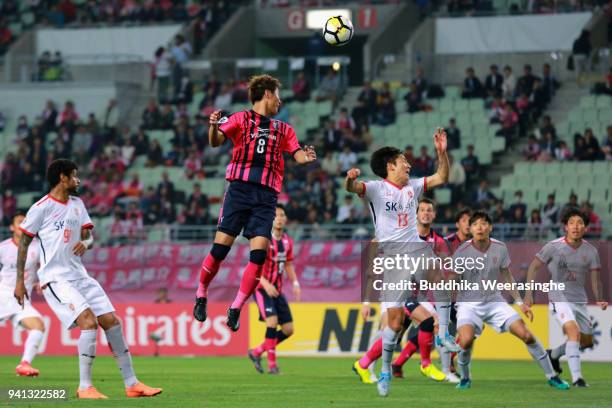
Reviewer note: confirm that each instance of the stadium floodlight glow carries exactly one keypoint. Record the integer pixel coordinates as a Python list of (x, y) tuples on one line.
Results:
[(315, 19), (336, 66)]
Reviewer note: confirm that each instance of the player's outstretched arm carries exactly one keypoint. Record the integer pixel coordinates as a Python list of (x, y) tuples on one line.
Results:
[(215, 137), (351, 184), (22, 254), (535, 265), (305, 155), (441, 175), (597, 289), (526, 309)]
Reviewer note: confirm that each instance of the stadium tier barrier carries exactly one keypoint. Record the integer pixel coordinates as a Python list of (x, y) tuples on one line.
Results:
[(322, 329)]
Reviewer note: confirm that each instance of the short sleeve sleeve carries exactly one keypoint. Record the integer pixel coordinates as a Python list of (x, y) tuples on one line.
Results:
[(594, 261), (546, 253), (33, 220), (504, 260), (85, 220), (419, 186), (290, 141), (230, 125), (371, 190), (290, 251)]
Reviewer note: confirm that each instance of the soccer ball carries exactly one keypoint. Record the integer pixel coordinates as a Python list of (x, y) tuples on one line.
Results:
[(338, 30)]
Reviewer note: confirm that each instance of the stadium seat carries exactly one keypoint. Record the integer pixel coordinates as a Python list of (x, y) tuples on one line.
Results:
[(452, 91), (447, 105), (25, 200), (569, 168), (522, 168), (443, 196), (604, 101), (587, 102), (499, 144), (462, 105), (552, 169)]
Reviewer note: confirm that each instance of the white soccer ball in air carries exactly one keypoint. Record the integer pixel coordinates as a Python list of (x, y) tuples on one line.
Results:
[(338, 30)]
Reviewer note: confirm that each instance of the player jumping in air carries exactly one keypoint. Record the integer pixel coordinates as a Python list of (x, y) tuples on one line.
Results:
[(393, 203), (570, 259), (271, 302), (490, 260), (63, 227), (26, 316), (255, 176)]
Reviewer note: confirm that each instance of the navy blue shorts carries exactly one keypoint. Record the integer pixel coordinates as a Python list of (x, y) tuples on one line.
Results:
[(249, 208), (270, 306)]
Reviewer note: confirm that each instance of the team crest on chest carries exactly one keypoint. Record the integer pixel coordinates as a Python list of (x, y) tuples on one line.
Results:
[(410, 193)]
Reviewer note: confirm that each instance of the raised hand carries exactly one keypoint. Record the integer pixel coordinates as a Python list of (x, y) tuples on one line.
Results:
[(311, 155), (440, 141), (214, 118), (353, 173)]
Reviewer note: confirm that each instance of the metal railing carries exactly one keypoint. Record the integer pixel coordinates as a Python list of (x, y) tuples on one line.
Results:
[(314, 232)]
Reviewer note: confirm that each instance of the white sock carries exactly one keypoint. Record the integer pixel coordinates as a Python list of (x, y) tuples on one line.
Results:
[(389, 338), (31, 345), (558, 352), (87, 352), (464, 360), (122, 354), (573, 359), (443, 311), (540, 356), (445, 359)]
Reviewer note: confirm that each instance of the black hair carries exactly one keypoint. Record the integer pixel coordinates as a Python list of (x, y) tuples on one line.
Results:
[(427, 200), (574, 212), (17, 214), (282, 207), (57, 168), (381, 158), (462, 212), (480, 215)]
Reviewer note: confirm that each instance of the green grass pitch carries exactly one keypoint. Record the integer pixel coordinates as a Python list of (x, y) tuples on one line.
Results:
[(306, 382)]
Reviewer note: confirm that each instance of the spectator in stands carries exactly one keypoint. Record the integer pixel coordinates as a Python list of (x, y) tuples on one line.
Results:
[(151, 116), (420, 82), (472, 87), (547, 126), (81, 144), (562, 152), (345, 123), (581, 52), (509, 120), (133, 187), (423, 165), (369, 97), (525, 83), (68, 10), (593, 151), (6, 36), (185, 91), (580, 149), (141, 142), (531, 152), (155, 157), (409, 155), (456, 178), (330, 164), (550, 211), (167, 117), (518, 202), (453, 135), (347, 159), (332, 138), (509, 84), (547, 147), (329, 88), (549, 83), (69, 116), (414, 100), (197, 197), (483, 197), (493, 82), (360, 116), (9, 205), (471, 165), (111, 114), (2, 122), (162, 296), (594, 228), (49, 117), (23, 129), (301, 88), (499, 214), (181, 52), (295, 212), (606, 145), (572, 203), (538, 99), (346, 210), (386, 111), (535, 227), (193, 165)]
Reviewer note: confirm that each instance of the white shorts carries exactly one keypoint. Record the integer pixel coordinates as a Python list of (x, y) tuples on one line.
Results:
[(11, 310), (498, 315), (68, 299), (566, 312)]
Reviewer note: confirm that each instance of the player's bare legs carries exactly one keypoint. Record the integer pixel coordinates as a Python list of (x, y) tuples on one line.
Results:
[(36, 329), (210, 266), (250, 280), (111, 325), (538, 353)]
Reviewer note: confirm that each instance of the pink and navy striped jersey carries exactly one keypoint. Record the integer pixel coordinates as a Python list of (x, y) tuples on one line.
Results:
[(280, 251), (259, 143)]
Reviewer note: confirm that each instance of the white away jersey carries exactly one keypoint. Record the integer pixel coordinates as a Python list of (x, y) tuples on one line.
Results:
[(570, 266), (394, 209), (8, 265), (58, 226)]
